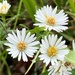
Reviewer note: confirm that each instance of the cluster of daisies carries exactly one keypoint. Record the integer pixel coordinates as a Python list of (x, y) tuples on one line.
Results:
[(53, 50)]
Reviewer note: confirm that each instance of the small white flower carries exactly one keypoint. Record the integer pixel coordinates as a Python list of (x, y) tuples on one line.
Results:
[(53, 49), (21, 44), (48, 18), (62, 68), (73, 45), (4, 7)]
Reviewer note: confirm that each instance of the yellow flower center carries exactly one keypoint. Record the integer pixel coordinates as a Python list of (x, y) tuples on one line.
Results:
[(51, 20), (21, 46), (3, 7), (52, 51)]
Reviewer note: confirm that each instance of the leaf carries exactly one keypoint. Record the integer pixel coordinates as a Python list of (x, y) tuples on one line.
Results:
[(67, 36), (72, 5), (37, 29), (8, 69), (73, 72), (11, 19), (30, 5), (58, 3), (45, 73), (71, 57), (42, 3), (23, 25), (70, 13)]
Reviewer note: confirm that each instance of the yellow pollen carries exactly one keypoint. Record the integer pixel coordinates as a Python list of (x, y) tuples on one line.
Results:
[(3, 7), (21, 46), (51, 20), (52, 51)]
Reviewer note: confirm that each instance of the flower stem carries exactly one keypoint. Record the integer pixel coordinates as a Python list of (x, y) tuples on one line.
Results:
[(44, 68), (20, 4), (3, 23), (33, 61), (3, 19)]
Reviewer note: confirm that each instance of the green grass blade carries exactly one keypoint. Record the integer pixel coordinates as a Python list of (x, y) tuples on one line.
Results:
[(13, 18), (30, 5), (58, 3), (72, 5), (42, 3), (8, 69)]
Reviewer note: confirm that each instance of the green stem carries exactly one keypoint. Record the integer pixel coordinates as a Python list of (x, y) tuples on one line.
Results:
[(33, 61), (2, 66), (20, 4), (3, 19), (3, 23), (44, 68)]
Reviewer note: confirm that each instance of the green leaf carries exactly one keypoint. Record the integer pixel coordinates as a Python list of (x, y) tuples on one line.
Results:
[(70, 13), (45, 73), (37, 29), (23, 25), (67, 36), (13, 18), (30, 5), (42, 3), (58, 3), (8, 69), (73, 72), (71, 57), (72, 5)]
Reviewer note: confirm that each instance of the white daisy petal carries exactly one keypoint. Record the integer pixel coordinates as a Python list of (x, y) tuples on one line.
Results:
[(24, 57), (21, 44), (27, 36), (12, 38), (23, 34), (44, 44), (19, 57), (52, 42), (46, 41), (29, 54), (61, 68), (30, 38), (58, 41), (50, 19), (33, 43), (54, 11), (15, 36), (18, 35), (53, 49), (61, 44), (15, 54)]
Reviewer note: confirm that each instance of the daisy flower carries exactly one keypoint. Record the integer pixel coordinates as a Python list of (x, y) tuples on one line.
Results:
[(53, 49), (4, 7), (62, 68), (48, 18), (21, 44)]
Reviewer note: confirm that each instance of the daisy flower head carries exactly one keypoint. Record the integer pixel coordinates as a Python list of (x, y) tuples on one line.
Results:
[(48, 18), (62, 68), (53, 49), (4, 7), (21, 44), (73, 45)]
